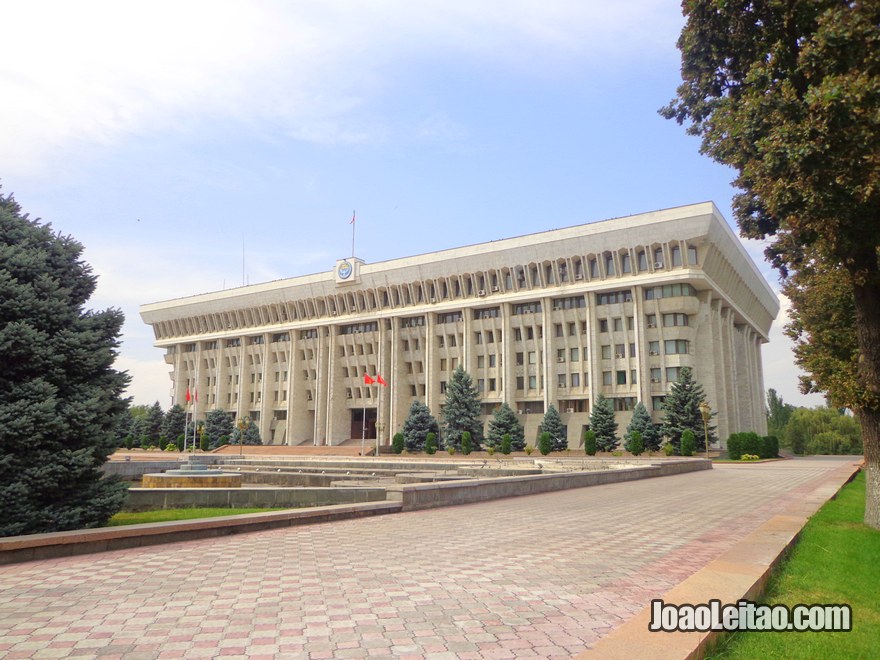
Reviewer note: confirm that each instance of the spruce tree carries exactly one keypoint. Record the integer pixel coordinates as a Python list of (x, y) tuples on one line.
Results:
[(603, 424), (505, 422), (641, 422), (174, 424), (218, 424), (461, 410), (60, 397), (418, 424), (250, 432), (153, 425), (552, 424), (681, 411)]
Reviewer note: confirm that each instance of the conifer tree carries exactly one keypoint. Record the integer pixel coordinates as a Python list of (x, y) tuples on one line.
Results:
[(418, 424), (603, 424), (505, 422), (681, 411), (174, 424), (218, 424), (60, 397), (641, 422), (552, 424), (153, 425), (545, 443), (461, 410)]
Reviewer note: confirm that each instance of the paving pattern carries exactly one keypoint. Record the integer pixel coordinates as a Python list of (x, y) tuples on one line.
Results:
[(539, 576)]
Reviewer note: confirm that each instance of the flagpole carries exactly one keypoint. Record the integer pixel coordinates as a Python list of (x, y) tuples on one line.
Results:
[(352, 233), (364, 426)]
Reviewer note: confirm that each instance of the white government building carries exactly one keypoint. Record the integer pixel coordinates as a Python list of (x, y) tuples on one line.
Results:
[(614, 307)]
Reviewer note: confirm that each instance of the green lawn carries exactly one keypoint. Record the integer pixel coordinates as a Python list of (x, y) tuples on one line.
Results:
[(836, 561), (164, 515)]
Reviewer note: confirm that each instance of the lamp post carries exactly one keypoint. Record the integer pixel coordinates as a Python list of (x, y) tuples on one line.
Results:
[(706, 413), (242, 425)]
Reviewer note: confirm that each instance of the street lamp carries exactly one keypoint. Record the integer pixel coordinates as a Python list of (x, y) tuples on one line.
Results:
[(242, 425), (706, 413)]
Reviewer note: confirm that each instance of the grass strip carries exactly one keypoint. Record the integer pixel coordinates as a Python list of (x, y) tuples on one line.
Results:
[(835, 561), (165, 515)]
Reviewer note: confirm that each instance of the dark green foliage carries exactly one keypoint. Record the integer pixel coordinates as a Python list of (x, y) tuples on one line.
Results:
[(247, 430), (418, 424), (506, 444), (466, 445), (60, 397), (218, 425), (590, 446), (778, 413), (204, 441), (545, 443), (603, 424), (687, 443), (641, 423), (179, 442), (822, 431), (397, 443), (681, 411), (153, 424), (174, 423), (769, 446), (746, 442), (505, 422), (552, 424), (634, 444), (431, 444), (461, 411)]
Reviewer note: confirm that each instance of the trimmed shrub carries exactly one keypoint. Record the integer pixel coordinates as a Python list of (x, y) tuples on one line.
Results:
[(171, 447), (635, 446), (204, 441), (397, 443), (769, 446), (466, 443), (506, 444), (590, 443), (688, 443), (545, 443), (669, 449), (431, 443)]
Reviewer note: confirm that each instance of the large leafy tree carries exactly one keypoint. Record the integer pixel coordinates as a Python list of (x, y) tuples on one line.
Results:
[(603, 424), (681, 411), (778, 413), (787, 93), (641, 423), (417, 425), (60, 398), (461, 410), (505, 422)]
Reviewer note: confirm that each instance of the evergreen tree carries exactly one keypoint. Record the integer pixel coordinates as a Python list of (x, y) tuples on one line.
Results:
[(634, 444), (153, 425), (552, 424), (174, 424), (466, 445), (603, 424), (545, 443), (397, 444), (60, 397), (590, 443), (681, 411), (418, 424), (218, 424), (641, 423), (431, 443), (461, 411), (506, 444), (247, 430), (505, 422)]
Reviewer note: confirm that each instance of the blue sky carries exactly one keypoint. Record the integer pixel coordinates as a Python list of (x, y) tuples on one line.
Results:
[(167, 135)]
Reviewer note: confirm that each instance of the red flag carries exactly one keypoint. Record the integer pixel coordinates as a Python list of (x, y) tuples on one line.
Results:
[(188, 397), (368, 380), (381, 380), (352, 218)]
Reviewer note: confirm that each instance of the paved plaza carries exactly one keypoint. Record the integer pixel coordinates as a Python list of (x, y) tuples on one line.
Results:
[(538, 576)]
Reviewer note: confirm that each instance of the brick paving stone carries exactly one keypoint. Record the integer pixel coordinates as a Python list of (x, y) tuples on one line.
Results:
[(372, 587)]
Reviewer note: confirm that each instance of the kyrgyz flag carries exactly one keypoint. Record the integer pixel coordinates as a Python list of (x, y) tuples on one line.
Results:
[(368, 380), (188, 397), (380, 380)]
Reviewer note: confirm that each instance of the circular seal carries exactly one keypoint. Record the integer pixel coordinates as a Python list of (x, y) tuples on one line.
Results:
[(344, 270)]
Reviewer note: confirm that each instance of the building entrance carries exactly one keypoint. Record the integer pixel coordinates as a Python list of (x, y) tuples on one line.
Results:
[(361, 426)]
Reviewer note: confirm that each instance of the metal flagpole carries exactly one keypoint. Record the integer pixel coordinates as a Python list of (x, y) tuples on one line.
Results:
[(364, 427), (352, 223)]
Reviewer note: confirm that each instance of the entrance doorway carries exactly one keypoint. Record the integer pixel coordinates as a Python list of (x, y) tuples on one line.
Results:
[(359, 425)]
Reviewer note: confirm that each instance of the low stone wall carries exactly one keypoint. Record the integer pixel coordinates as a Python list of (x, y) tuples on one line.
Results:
[(15, 549), (431, 495), (143, 499), (134, 470)]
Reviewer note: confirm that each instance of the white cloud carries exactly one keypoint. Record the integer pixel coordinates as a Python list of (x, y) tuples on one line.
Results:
[(82, 75)]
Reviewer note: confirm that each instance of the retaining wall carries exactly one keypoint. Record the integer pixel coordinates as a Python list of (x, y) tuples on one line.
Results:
[(142, 499)]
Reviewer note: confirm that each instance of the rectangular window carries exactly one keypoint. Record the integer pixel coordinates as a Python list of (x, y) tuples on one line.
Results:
[(669, 291), (492, 360), (606, 378), (643, 261), (655, 374), (594, 268), (442, 387), (692, 255), (620, 350), (490, 339), (657, 402), (621, 377), (675, 346), (603, 325), (451, 341), (489, 313), (606, 352), (574, 302), (676, 256), (481, 385), (613, 297), (527, 308), (558, 329), (441, 341), (651, 320), (533, 383), (530, 333), (412, 322), (517, 334), (520, 383), (625, 265), (583, 327), (624, 403), (492, 387), (672, 374), (672, 320), (632, 350), (519, 359), (618, 325), (449, 317), (481, 362), (572, 329), (609, 265), (573, 353), (479, 337), (561, 380), (633, 376), (442, 364), (654, 348), (560, 355), (533, 357), (575, 380)]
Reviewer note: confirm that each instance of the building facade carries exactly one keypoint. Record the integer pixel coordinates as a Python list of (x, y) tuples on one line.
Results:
[(614, 307)]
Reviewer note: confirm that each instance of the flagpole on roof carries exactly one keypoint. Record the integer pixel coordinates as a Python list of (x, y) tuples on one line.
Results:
[(352, 223)]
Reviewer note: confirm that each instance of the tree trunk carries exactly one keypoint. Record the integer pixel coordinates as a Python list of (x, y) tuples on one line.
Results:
[(867, 305)]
